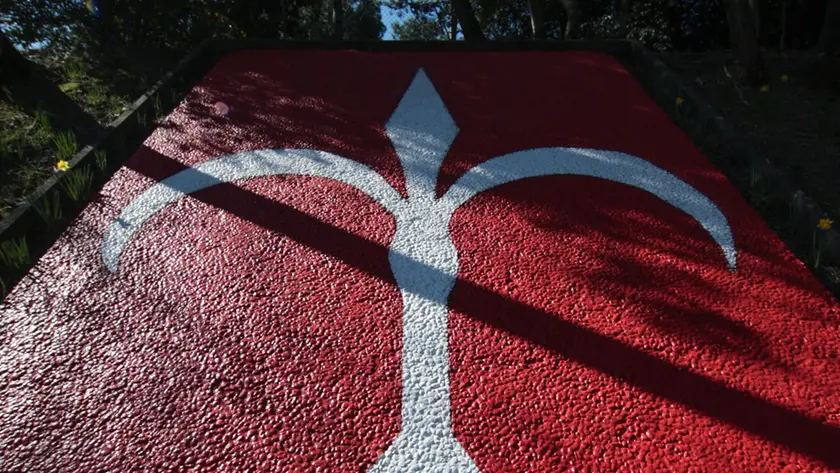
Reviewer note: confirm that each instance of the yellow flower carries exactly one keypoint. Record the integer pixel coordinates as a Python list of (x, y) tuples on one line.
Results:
[(784, 77), (825, 224), (680, 100), (62, 165), (764, 88)]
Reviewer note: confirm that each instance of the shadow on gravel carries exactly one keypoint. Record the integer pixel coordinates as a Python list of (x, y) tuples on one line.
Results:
[(569, 340)]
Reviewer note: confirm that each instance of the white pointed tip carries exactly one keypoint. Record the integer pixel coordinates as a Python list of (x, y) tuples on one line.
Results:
[(421, 75), (110, 261), (112, 266), (731, 258), (421, 131), (113, 242)]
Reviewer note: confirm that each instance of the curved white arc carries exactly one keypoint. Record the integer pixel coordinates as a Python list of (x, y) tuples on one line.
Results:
[(239, 166), (610, 165)]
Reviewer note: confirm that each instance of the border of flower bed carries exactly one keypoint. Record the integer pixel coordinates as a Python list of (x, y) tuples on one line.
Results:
[(129, 126), (127, 132)]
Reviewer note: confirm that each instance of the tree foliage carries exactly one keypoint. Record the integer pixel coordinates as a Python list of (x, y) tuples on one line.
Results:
[(422, 20), (126, 26), (363, 21), (420, 28), (130, 34), (694, 25), (180, 24)]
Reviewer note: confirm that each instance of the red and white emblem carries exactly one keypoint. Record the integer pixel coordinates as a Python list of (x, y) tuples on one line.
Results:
[(463, 262)]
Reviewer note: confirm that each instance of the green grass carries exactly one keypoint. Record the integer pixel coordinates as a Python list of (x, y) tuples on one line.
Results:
[(14, 254), (101, 160), (77, 184), (160, 115), (66, 145), (74, 70), (97, 96), (14, 259), (27, 155), (32, 176), (69, 87), (30, 146), (49, 209)]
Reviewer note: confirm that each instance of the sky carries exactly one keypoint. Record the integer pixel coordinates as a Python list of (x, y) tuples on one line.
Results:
[(389, 16)]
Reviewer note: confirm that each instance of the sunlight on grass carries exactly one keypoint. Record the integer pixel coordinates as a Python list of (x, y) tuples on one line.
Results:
[(66, 145), (14, 254), (77, 183)]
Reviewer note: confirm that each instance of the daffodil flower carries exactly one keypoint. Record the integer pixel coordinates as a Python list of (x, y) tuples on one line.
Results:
[(825, 223), (62, 165)]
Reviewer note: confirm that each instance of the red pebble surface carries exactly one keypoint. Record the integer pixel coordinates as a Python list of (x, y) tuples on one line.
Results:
[(256, 326)]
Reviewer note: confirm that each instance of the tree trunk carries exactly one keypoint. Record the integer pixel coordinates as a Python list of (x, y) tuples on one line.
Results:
[(743, 38), (783, 24), (26, 85), (469, 24), (537, 18), (453, 22), (795, 23), (753, 4), (338, 20), (624, 19), (572, 18), (830, 33), (284, 23)]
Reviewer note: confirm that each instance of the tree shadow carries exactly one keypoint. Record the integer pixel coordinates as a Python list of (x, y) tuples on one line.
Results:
[(263, 114), (614, 358)]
